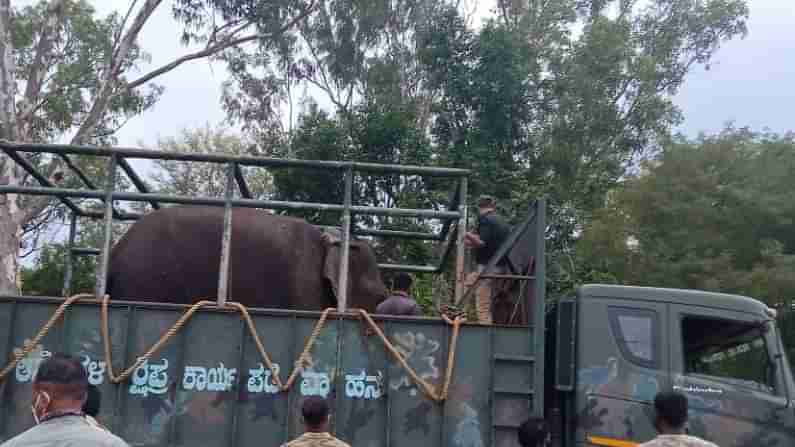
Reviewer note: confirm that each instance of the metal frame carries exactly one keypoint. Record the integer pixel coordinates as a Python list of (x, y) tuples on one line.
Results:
[(118, 159)]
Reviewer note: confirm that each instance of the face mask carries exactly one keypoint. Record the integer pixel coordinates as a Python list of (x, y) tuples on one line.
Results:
[(33, 408)]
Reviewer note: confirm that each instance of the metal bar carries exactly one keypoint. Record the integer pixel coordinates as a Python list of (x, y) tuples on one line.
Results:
[(521, 277), (226, 243), (399, 234), (247, 203), (70, 254), (447, 247), (41, 179), (454, 201), (243, 160), (102, 267), (133, 176), (460, 248), (409, 268), (241, 182), (86, 251), (86, 181), (342, 293), (539, 301)]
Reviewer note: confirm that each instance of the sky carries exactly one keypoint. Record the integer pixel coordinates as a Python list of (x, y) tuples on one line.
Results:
[(749, 81)]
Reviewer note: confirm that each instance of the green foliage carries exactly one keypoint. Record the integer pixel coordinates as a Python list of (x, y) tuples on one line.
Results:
[(47, 279), (206, 179), (73, 71), (711, 214)]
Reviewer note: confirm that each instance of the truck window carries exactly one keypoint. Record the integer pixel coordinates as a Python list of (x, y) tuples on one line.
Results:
[(731, 351), (635, 332)]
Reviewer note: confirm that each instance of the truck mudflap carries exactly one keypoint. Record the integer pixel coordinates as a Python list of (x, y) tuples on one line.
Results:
[(230, 376)]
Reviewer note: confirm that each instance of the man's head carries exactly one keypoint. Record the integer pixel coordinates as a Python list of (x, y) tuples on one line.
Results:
[(402, 281), (60, 384), (533, 432), (93, 401), (670, 410), (315, 411), (486, 204)]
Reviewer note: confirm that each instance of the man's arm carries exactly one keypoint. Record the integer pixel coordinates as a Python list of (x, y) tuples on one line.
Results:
[(473, 240)]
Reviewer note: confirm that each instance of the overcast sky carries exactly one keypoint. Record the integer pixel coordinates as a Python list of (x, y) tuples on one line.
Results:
[(749, 81)]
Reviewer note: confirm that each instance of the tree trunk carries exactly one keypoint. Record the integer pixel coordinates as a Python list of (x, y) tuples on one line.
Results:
[(9, 245), (10, 229)]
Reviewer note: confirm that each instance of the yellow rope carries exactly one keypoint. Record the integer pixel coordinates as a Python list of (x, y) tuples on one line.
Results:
[(298, 366), (30, 346), (426, 387), (153, 349)]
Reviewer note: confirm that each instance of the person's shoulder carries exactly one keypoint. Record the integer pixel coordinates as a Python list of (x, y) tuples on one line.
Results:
[(27, 437), (340, 443), (108, 438)]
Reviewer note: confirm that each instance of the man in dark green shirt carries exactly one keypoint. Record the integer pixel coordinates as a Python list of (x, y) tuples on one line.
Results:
[(491, 232)]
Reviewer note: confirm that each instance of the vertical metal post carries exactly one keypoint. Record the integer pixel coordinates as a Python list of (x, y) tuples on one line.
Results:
[(67, 277), (342, 298), (226, 243), (102, 268), (539, 303), (460, 255)]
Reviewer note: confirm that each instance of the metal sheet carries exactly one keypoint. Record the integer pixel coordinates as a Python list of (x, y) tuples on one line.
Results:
[(209, 386)]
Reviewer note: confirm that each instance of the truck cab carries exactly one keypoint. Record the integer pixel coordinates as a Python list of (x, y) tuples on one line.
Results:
[(615, 347)]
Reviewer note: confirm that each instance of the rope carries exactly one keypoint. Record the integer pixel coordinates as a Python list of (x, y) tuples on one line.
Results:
[(426, 387), (298, 366), (28, 348), (152, 350)]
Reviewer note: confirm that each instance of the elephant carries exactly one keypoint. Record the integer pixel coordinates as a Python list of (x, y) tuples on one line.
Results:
[(173, 255)]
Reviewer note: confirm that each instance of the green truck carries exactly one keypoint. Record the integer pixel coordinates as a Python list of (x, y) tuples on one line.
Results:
[(591, 363)]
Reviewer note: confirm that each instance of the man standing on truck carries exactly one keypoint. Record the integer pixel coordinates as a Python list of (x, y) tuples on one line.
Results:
[(670, 410), (316, 418), (492, 230), (59, 392), (401, 301)]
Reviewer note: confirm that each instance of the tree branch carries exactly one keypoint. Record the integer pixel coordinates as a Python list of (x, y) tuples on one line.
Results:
[(213, 49), (112, 73), (117, 37), (38, 69)]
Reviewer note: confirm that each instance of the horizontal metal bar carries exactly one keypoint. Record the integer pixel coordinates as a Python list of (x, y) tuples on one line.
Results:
[(243, 160), (400, 234), (408, 212), (496, 276), (516, 392), (86, 251), (133, 176), (247, 203), (514, 358), (41, 179), (409, 268)]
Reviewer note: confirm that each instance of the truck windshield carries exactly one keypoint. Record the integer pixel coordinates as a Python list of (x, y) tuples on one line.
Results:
[(730, 351)]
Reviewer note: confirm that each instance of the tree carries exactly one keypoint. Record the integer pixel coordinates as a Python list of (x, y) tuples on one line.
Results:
[(712, 214), (206, 179), (80, 78)]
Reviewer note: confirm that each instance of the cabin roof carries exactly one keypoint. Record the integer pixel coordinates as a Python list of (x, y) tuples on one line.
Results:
[(737, 303)]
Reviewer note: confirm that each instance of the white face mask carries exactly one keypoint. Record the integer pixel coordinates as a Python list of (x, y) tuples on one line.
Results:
[(36, 404)]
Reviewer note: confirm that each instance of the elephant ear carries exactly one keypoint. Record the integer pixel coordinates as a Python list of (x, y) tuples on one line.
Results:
[(331, 267)]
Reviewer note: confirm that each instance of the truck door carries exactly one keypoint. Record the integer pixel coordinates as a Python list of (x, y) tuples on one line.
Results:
[(622, 363), (726, 364)]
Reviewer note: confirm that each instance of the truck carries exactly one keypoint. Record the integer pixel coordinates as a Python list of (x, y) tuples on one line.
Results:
[(219, 374)]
